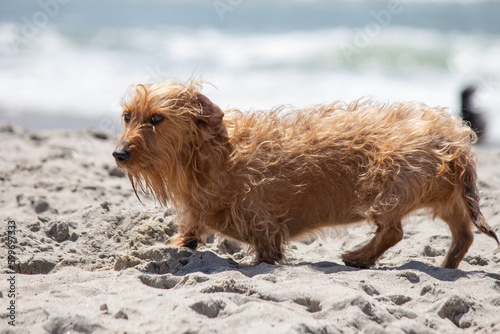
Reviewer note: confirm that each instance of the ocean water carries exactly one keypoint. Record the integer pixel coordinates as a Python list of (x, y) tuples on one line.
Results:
[(68, 63)]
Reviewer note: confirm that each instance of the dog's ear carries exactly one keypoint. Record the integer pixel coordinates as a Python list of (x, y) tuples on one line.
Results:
[(210, 113)]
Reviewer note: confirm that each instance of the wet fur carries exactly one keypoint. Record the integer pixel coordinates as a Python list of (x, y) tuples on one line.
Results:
[(267, 177)]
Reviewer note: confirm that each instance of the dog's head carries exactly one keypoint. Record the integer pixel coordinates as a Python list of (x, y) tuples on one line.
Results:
[(162, 123)]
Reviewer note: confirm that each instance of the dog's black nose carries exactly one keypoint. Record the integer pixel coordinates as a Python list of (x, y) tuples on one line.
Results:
[(121, 156)]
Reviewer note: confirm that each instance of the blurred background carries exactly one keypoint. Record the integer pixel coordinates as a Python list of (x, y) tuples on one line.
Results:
[(67, 63)]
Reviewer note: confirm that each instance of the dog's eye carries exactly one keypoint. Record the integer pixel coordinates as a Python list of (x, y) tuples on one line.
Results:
[(155, 119), (126, 118)]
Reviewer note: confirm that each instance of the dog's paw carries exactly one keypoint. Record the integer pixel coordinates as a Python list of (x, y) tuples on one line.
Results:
[(180, 241), (357, 265), (192, 244)]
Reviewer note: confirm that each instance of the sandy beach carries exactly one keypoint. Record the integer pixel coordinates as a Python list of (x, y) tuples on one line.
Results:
[(80, 253), (90, 258)]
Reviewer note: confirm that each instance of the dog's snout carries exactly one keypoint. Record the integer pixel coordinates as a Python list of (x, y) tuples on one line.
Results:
[(121, 155)]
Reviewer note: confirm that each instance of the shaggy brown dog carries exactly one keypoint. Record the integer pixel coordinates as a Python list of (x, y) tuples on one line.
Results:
[(264, 178)]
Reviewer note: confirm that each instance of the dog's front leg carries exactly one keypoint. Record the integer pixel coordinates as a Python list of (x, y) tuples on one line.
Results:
[(188, 235), (188, 241)]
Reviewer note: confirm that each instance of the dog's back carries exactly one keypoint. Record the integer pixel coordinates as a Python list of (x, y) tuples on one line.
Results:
[(371, 157)]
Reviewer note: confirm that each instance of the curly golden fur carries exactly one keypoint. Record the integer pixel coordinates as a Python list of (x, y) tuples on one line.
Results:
[(267, 177)]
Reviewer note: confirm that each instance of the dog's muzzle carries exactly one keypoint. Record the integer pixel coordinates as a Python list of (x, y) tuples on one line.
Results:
[(121, 155)]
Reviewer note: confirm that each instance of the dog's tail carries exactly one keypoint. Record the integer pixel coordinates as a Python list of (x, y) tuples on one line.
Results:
[(471, 196)]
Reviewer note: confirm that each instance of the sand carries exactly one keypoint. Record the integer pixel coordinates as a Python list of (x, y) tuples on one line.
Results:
[(90, 258)]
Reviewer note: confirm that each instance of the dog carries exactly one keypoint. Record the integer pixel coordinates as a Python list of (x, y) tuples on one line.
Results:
[(470, 113), (267, 177)]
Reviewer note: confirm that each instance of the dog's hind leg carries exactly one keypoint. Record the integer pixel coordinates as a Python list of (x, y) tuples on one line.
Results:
[(461, 235), (460, 212), (269, 248), (389, 232), (268, 255)]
